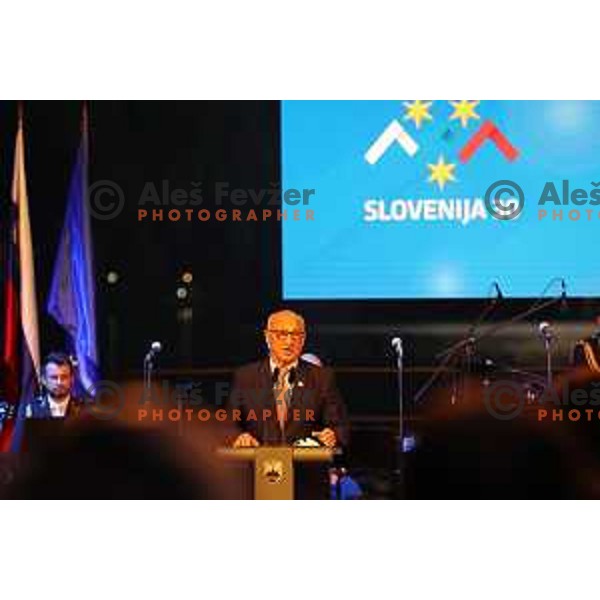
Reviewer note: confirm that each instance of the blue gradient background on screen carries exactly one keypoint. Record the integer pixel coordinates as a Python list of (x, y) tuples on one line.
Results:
[(339, 255)]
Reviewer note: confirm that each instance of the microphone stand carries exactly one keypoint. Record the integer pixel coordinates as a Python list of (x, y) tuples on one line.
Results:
[(453, 350), (148, 369), (400, 380), (537, 307), (548, 349), (399, 472), (547, 338), (467, 344)]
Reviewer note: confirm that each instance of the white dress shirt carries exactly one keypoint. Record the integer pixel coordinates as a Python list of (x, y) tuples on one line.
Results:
[(58, 409)]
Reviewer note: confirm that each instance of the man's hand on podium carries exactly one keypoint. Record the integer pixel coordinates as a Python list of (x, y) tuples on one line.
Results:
[(245, 440), (326, 437)]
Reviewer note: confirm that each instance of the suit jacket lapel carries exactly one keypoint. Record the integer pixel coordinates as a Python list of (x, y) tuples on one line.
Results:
[(299, 386), (45, 411), (265, 382)]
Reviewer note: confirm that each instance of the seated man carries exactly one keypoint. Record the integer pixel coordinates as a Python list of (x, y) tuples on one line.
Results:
[(56, 401), (282, 399)]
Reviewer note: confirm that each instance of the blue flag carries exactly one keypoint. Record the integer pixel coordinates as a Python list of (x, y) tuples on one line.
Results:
[(72, 293)]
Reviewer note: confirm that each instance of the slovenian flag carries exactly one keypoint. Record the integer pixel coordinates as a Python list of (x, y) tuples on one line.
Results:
[(21, 349)]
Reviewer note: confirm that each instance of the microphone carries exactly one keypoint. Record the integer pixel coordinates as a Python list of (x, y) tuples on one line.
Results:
[(292, 376), (397, 346), (155, 348), (499, 294), (563, 295), (545, 330)]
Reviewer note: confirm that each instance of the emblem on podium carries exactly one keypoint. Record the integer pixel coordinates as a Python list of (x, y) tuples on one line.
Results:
[(272, 471)]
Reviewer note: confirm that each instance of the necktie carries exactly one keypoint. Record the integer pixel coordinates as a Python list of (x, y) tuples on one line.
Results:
[(282, 391)]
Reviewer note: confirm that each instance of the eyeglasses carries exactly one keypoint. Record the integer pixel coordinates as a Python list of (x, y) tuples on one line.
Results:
[(280, 334)]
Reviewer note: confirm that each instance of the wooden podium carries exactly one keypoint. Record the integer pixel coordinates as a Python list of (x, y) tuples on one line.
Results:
[(274, 467)]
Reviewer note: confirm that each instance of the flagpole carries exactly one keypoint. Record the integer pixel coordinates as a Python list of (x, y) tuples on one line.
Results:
[(85, 128), (85, 140)]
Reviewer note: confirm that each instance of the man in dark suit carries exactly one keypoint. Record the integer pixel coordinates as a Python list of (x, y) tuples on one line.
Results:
[(57, 401), (282, 398)]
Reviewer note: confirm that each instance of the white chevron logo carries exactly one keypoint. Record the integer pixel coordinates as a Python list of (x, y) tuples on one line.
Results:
[(394, 132)]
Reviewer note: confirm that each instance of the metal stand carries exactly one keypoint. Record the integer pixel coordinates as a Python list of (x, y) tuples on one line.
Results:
[(548, 348), (468, 344), (148, 370), (399, 439), (400, 379)]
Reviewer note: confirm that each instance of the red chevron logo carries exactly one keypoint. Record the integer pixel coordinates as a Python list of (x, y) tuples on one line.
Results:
[(488, 131)]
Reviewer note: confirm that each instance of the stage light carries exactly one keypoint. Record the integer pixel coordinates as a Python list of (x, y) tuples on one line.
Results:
[(112, 278)]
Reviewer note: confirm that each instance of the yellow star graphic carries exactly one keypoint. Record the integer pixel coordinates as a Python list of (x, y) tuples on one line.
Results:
[(464, 110), (442, 172), (418, 111)]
